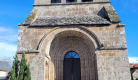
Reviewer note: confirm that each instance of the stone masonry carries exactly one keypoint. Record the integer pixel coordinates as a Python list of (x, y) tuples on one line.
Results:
[(91, 29)]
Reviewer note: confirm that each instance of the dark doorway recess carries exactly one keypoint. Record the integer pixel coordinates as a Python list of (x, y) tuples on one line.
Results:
[(71, 66)]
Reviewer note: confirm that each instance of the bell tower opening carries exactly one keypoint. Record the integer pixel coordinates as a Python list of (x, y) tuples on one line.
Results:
[(55, 1), (71, 66), (71, 1), (87, 0)]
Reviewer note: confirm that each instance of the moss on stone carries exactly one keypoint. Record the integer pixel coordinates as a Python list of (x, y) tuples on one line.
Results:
[(112, 14), (117, 19), (30, 18), (110, 10)]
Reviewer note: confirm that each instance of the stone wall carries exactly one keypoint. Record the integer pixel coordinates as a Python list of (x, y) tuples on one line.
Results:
[(29, 38), (67, 10), (112, 63), (110, 36)]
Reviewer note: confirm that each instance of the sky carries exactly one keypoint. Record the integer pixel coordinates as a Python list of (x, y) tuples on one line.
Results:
[(13, 12)]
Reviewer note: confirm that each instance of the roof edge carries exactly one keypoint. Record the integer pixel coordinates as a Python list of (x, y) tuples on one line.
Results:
[(28, 51), (121, 25)]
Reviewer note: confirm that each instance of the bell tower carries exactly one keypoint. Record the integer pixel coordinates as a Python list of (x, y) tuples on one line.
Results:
[(45, 2), (74, 40)]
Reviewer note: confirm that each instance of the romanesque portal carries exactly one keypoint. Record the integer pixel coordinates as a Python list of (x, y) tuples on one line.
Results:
[(74, 40)]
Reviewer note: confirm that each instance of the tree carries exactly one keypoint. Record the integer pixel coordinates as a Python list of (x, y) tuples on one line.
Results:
[(28, 73), (20, 70), (13, 75), (24, 69)]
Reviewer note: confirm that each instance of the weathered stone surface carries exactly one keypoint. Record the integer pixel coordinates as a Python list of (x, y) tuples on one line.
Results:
[(113, 34), (112, 64)]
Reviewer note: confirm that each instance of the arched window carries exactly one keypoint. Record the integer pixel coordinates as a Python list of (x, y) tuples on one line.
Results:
[(72, 55), (55, 1)]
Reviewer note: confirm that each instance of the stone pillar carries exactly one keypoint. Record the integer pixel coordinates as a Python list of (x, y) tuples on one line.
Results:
[(48, 1), (46, 68), (79, 1), (63, 1), (42, 2), (100, 0)]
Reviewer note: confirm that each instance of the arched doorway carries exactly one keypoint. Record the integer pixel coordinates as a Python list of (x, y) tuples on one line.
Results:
[(59, 44), (71, 66)]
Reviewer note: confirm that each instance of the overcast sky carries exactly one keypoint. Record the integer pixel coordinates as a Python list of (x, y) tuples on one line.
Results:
[(13, 12)]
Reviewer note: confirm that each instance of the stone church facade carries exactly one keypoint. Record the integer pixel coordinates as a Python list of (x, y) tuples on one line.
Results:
[(74, 40)]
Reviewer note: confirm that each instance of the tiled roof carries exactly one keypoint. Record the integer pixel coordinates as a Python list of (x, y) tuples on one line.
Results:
[(5, 66), (68, 20), (132, 65)]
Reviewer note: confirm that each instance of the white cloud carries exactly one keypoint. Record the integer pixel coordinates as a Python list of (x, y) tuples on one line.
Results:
[(8, 34), (8, 37), (133, 59), (7, 50), (8, 40), (3, 29)]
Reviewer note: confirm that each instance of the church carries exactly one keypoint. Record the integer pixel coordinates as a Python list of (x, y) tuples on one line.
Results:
[(74, 40)]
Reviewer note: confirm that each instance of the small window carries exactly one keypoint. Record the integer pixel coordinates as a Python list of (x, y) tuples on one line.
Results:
[(87, 0), (72, 55), (55, 1), (70, 1)]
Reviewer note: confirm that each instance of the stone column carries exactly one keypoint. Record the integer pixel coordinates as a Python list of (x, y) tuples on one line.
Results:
[(100, 0), (48, 1), (63, 1), (42, 2), (79, 1)]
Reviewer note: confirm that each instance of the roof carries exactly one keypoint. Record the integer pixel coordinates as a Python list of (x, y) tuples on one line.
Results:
[(132, 65), (111, 13), (68, 20), (106, 15), (4, 66)]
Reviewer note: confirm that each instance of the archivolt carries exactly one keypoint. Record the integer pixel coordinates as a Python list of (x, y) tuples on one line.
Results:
[(60, 46), (61, 40), (85, 33)]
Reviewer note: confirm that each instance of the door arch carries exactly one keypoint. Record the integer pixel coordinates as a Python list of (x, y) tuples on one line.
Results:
[(59, 44), (71, 66)]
